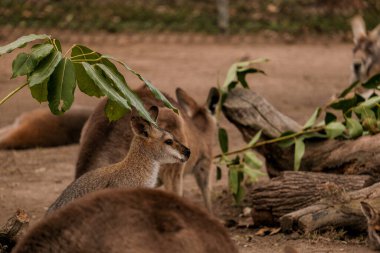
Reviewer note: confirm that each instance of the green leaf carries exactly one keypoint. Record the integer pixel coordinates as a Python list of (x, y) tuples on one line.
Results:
[(373, 82), (128, 93), (253, 174), (104, 86), (346, 104), (114, 111), (354, 127), (23, 64), (44, 69), (233, 180), (223, 139), (311, 121), (218, 173), (348, 90), (61, 87), (20, 42), (364, 112), (40, 91), (85, 83), (239, 195), (255, 139), (57, 44), (334, 129), (329, 117), (286, 143), (299, 151), (151, 87), (371, 102), (252, 161), (40, 51)]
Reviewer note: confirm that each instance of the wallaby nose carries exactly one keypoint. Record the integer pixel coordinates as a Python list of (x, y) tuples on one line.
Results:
[(356, 67), (187, 153)]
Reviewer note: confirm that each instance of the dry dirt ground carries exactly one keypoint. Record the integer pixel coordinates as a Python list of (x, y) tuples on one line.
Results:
[(299, 78)]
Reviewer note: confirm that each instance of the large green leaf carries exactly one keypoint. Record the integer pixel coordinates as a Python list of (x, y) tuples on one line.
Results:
[(40, 91), (299, 151), (311, 121), (354, 127), (223, 140), (40, 51), (124, 89), (151, 87), (20, 42), (373, 82), (104, 85), (61, 87), (23, 64), (371, 102), (346, 104), (45, 68), (85, 83), (114, 111), (255, 139), (334, 129)]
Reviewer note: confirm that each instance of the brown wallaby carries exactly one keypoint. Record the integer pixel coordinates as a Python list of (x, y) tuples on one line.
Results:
[(126, 221), (40, 128), (373, 220), (104, 143), (150, 147), (366, 60)]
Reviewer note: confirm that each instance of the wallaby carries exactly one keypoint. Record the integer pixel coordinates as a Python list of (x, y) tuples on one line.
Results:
[(150, 147), (104, 143), (373, 220), (366, 60), (40, 128), (126, 221)]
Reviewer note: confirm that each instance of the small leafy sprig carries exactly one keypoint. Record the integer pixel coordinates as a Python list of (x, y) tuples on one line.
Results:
[(359, 116), (53, 77)]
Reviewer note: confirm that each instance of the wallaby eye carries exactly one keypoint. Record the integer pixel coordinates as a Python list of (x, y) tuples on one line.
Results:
[(169, 142)]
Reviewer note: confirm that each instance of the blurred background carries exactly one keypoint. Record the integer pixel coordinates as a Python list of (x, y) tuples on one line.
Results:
[(289, 18)]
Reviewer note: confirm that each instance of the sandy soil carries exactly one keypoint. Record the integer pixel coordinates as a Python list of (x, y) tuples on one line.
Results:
[(299, 78)]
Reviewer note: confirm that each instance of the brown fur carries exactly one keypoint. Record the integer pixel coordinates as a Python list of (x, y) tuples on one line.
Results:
[(366, 52), (40, 128), (373, 220), (104, 143), (122, 221), (150, 147)]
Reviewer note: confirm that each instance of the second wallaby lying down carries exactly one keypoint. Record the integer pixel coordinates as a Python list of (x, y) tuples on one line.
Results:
[(150, 147), (128, 221), (104, 143)]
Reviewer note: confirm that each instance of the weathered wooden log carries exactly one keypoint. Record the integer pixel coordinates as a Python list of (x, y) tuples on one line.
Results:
[(12, 230), (295, 190), (249, 112), (341, 210)]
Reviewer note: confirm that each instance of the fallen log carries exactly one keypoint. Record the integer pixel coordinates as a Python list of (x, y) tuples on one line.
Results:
[(249, 113), (295, 190), (343, 210), (12, 230)]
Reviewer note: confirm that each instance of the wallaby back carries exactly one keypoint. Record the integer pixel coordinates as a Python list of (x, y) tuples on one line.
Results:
[(104, 143), (366, 51), (123, 221), (373, 220), (40, 128)]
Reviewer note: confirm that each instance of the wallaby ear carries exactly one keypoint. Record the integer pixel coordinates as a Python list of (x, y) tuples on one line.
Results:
[(186, 102), (374, 35), (153, 111), (368, 211), (213, 99), (358, 29), (140, 126)]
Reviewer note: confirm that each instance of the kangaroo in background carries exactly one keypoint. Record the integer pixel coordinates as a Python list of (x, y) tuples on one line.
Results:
[(366, 51), (104, 143), (373, 220), (126, 221), (40, 128), (150, 147)]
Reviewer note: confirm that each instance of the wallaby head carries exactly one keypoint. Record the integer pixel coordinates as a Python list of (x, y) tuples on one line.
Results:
[(126, 221), (366, 52), (373, 220), (161, 145)]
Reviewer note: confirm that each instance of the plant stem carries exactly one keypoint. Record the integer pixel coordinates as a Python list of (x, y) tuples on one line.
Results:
[(12, 93), (278, 139)]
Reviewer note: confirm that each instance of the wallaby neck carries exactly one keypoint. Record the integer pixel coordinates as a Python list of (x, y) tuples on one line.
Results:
[(140, 165)]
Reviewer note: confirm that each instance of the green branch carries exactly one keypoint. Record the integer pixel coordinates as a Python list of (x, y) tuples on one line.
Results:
[(12, 93)]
